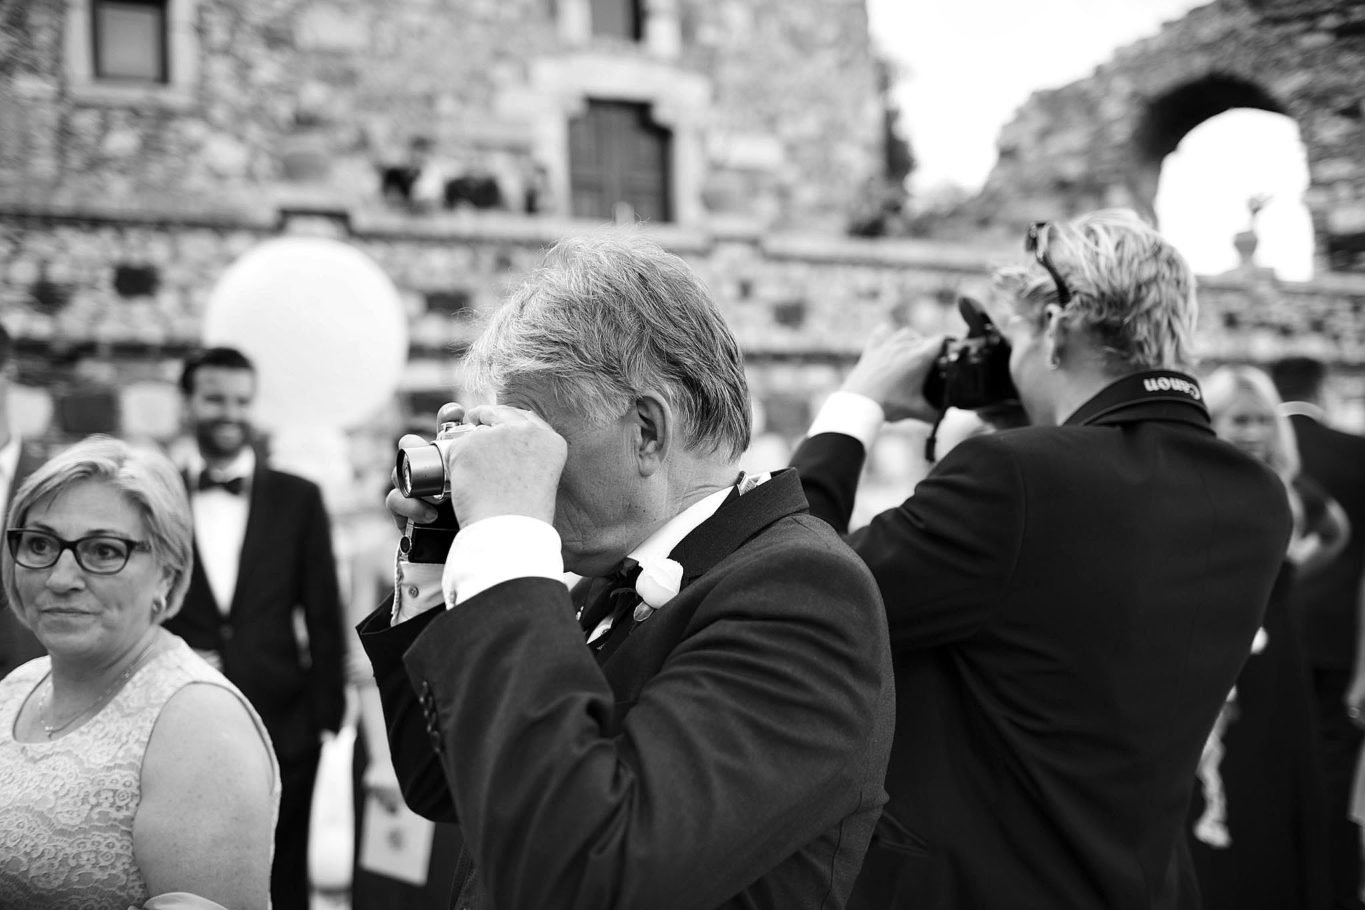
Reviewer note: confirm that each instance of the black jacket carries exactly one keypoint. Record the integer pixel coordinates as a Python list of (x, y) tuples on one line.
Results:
[(1329, 597), (730, 752), (1068, 608), (281, 638)]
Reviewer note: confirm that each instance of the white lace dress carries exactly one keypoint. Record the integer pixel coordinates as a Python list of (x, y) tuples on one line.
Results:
[(67, 805)]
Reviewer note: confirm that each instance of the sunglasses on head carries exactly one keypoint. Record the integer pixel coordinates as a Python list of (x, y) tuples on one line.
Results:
[(1035, 242)]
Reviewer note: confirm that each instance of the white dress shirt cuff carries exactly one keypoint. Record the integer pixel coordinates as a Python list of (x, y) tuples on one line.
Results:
[(499, 549), (851, 414)]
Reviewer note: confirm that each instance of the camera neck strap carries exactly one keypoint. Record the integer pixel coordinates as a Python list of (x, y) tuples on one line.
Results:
[(1128, 396)]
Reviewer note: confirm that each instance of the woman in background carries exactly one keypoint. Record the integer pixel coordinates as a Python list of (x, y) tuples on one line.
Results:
[(1258, 813), (134, 775)]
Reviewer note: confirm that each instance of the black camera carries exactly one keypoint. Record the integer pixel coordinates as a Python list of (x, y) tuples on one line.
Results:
[(421, 470), (973, 372)]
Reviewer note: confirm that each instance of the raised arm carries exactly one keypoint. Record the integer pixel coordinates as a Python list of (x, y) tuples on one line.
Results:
[(678, 805)]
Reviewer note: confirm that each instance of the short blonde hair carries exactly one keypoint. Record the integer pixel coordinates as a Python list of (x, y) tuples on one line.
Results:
[(1130, 289), (145, 477), (1225, 383)]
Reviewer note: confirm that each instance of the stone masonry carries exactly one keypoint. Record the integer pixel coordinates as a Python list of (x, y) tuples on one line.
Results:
[(1101, 141), (774, 109)]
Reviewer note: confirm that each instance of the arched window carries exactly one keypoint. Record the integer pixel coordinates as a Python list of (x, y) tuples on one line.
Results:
[(1218, 168)]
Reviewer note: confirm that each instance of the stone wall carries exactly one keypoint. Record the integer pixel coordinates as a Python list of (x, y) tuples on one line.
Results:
[(105, 302), (74, 286), (774, 108), (1100, 141)]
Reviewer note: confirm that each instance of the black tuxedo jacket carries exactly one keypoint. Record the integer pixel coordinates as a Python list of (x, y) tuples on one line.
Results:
[(281, 638), (1330, 596), (729, 753), (17, 644), (1068, 609)]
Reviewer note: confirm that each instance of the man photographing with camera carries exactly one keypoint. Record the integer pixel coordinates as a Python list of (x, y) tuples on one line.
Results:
[(1069, 603), (712, 728)]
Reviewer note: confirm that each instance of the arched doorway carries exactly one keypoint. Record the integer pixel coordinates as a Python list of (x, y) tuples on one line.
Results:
[(1205, 150), (1208, 180)]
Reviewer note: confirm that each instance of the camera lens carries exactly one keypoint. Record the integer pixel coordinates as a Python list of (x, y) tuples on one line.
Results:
[(421, 470)]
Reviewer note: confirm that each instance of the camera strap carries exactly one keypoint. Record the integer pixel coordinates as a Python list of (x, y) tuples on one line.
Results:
[(1132, 392), (1138, 396)]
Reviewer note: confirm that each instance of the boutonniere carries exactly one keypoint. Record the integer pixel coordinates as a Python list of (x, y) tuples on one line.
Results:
[(658, 583)]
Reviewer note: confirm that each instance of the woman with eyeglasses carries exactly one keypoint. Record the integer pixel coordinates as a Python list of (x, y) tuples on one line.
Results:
[(1258, 818), (131, 773)]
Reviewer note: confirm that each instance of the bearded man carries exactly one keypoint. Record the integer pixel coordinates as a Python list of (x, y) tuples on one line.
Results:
[(263, 604)]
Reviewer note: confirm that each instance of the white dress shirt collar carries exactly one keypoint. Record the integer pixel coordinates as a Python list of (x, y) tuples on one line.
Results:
[(659, 544)]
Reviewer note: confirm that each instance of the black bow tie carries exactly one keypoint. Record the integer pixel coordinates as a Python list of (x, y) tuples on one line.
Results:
[(614, 593), (236, 486)]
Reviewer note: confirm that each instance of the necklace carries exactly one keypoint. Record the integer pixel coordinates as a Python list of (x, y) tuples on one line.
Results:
[(52, 729)]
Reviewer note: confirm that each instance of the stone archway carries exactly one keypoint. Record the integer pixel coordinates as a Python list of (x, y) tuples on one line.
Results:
[(1100, 141), (1166, 120)]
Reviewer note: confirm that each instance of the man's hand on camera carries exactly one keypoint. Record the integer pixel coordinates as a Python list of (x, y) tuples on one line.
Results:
[(892, 369), (510, 466)]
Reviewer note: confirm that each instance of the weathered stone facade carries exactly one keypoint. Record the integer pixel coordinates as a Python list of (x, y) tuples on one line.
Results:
[(799, 303), (1101, 141), (773, 110)]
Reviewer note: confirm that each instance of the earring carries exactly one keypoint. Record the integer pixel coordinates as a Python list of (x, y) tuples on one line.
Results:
[(158, 604)]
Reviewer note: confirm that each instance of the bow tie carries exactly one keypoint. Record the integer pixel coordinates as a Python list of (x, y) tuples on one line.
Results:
[(614, 594), (236, 486)]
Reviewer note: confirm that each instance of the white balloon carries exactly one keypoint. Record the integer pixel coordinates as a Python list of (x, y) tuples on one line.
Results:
[(323, 324)]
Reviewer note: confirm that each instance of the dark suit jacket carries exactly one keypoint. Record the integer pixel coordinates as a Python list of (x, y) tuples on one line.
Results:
[(1068, 609), (17, 644), (1330, 596), (286, 581), (729, 753)]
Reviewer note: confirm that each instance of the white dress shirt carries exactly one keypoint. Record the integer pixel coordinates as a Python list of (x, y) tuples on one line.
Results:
[(220, 524), (505, 547)]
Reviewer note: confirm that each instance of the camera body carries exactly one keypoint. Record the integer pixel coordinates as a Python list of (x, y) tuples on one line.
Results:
[(421, 470), (972, 372)]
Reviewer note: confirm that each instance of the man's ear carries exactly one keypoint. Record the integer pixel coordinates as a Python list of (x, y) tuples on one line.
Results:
[(654, 432)]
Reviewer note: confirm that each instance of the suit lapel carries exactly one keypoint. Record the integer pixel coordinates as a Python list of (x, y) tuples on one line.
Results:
[(737, 520)]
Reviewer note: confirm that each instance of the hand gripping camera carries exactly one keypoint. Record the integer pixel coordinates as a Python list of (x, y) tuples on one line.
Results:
[(421, 470), (973, 372)]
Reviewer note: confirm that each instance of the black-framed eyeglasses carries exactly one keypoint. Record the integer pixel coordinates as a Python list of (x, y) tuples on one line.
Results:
[(1035, 242), (99, 554)]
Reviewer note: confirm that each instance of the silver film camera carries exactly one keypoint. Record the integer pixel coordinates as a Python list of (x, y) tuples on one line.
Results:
[(421, 470)]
